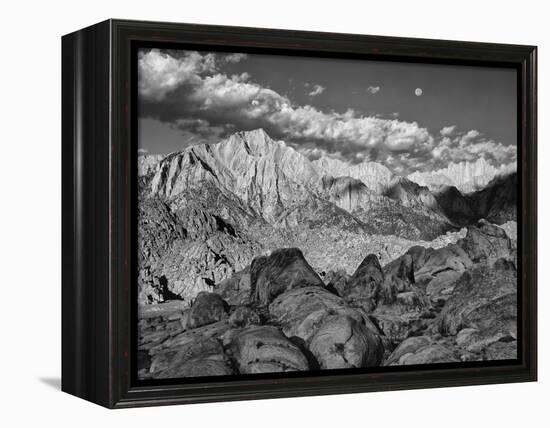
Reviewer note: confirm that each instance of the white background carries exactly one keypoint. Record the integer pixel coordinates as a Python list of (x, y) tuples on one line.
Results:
[(30, 213)]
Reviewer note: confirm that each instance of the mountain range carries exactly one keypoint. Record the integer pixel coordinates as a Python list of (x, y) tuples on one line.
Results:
[(467, 177), (213, 207)]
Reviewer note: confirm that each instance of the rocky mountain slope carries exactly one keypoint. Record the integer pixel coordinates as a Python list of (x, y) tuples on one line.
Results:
[(372, 174), (148, 164), (206, 211), (497, 202), (275, 181), (253, 259), (465, 176), (428, 306)]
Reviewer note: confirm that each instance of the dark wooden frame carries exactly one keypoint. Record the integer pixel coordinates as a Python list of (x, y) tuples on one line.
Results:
[(98, 202)]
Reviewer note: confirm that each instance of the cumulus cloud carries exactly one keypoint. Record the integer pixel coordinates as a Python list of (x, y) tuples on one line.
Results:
[(373, 89), (469, 147), (192, 92), (142, 151), (447, 130), (317, 90), (161, 73), (235, 57)]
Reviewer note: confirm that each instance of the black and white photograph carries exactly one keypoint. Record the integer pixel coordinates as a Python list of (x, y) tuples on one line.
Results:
[(276, 214), (298, 214)]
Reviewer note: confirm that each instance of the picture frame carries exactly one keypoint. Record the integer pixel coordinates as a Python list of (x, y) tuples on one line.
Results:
[(99, 153)]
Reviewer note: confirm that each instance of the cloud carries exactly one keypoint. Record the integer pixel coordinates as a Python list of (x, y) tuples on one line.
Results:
[(143, 151), (314, 153), (373, 89), (471, 146), (317, 90), (447, 130), (468, 137), (161, 73), (235, 57), (197, 131), (192, 92)]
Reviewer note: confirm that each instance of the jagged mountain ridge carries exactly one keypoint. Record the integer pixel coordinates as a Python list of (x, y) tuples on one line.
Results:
[(275, 182), (467, 177), (497, 202), (250, 195), (148, 164), (372, 174), (268, 176), (280, 184)]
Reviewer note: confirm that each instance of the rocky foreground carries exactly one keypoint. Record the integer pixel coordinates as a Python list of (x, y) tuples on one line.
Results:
[(452, 304)]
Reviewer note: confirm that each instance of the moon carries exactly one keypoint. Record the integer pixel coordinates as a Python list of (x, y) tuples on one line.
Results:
[(418, 92)]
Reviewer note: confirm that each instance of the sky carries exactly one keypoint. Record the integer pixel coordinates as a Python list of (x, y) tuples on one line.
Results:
[(410, 117)]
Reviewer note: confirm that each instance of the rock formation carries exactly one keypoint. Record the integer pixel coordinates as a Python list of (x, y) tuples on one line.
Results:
[(148, 164), (364, 287), (428, 306), (265, 349), (374, 175), (282, 270), (207, 309), (343, 342), (466, 176), (253, 259), (497, 202)]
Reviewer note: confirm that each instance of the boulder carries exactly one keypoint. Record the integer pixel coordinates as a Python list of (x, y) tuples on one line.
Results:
[(419, 255), (244, 316), (484, 298), (452, 257), (301, 312), (343, 342), (410, 313), (407, 346), (440, 287), (474, 341), (207, 308), (283, 270), (398, 326), (363, 288), (485, 241), (172, 341), (431, 354), (236, 289), (157, 322), (411, 300), (200, 357), (337, 280), (265, 349), (421, 350), (398, 278)]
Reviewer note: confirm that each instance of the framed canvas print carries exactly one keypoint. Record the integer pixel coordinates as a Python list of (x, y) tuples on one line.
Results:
[(253, 213)]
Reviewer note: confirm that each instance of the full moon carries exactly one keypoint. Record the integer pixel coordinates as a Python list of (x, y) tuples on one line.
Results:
[(418, 92)]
